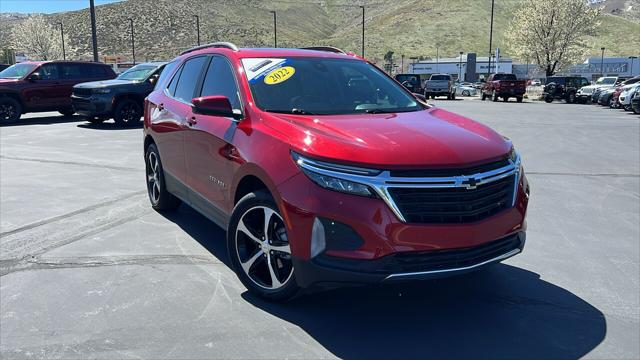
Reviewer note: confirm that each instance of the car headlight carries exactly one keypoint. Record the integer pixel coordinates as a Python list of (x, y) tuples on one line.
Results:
[(101, 91), (334, 176)]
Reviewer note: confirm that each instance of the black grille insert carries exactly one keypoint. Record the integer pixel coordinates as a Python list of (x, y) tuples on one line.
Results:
[(453, 205), (451, 172), (82, 92)]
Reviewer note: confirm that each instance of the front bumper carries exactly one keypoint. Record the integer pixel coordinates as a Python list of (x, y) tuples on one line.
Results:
[(91, 106), (407, 266)]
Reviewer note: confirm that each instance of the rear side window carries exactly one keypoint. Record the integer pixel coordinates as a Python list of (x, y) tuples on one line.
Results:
[(189, 75), (221, 81), (95, 71), (505, 77), (584, 82), (440, 77), (73, 71)]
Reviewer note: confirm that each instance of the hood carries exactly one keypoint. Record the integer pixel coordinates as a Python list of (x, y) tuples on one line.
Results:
[(429, 138), (105, 83), (9, 81)]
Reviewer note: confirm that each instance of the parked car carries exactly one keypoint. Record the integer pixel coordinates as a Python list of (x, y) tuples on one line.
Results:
[(440, 85), (464, 90), (121, 98), (592, 92), (411, 81), (609, 96), (44, 86), (563, 88), (478, 85), (606, 96), (504, 86), (293, 153), (628, 91), (535, 83), (635, 101)]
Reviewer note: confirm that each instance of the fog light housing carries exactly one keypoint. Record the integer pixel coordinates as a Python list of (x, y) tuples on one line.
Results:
[(318, 241)]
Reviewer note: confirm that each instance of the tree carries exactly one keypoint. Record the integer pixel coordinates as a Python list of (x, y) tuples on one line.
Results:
[(37, 38), (552, 32)]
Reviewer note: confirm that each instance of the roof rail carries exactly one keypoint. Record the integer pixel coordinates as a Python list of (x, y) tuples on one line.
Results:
[(324, 48), (222, 44)]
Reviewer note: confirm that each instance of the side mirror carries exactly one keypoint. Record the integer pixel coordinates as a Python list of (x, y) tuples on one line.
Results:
[(420, 97), (216, 105), (35, 76)]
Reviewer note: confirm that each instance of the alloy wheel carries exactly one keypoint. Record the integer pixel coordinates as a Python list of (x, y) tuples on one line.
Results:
[(153, 177), (128, 114), (263, 249), (7, 112)]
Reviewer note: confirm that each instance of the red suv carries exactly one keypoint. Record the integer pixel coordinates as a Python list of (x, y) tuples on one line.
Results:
[(323, 169), (44, 86)]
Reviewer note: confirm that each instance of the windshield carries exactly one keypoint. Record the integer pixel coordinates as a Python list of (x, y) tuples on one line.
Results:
[(606, 81), (137, 73), (17, 71), (319, 86)]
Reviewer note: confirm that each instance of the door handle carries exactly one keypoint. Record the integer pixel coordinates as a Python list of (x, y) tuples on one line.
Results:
[(192, 120)]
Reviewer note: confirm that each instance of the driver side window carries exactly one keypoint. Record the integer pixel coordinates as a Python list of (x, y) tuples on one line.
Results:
[(220, 80), (49, 72)]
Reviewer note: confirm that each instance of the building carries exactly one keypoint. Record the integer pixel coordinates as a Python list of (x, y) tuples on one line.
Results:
[(594, 67), (452, 66)]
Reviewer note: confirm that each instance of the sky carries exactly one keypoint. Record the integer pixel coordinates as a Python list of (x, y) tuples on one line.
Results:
[(47, 6)]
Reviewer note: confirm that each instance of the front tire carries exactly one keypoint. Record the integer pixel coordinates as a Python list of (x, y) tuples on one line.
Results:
[(66, 112), (161, 199), (466, 93), (519, 99), (10, 110), (127, 113), (259, 248)]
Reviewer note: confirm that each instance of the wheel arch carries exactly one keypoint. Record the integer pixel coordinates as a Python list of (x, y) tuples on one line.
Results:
[(14, 96)]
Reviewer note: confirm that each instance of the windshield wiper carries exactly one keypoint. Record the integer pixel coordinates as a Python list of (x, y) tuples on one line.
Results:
[(379, 111), (292, 111)]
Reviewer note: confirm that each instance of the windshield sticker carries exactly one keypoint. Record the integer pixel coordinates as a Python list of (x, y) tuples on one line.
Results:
[(279, 75), (256, 68)]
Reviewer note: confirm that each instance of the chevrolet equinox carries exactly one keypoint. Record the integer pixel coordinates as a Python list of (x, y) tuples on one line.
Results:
[(323, 169)]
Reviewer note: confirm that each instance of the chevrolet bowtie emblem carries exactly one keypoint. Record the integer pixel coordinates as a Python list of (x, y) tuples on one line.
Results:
[(470, 183)]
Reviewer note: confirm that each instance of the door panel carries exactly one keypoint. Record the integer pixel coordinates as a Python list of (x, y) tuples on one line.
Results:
[(47, 92)]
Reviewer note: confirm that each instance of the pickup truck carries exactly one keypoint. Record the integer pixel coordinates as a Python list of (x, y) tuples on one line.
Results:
[(504, 86), (440, 85), (410, 81)]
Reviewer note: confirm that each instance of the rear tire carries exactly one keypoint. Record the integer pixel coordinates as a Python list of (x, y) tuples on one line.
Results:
[(571, 98), (261, 259), (548, 99), (127, 113), (10, 110), (466, 93), (161, 199), (484, 97), (494, 96), (505, 98), (519, 99), (453, 96)]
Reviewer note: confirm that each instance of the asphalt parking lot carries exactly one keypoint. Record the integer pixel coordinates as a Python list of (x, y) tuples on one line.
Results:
[(89, 270)]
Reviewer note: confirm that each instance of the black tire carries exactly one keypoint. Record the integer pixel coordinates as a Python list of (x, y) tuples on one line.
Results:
[(484, 97), (10, 110), (161, 199), (571, 98), (448, 96), (96, 121), (466, 93), (505, 98), (494, 96), (519, 99), (548, 99), (251, 255), (66, 112), (127, 112), (453, 96), (433, 96)]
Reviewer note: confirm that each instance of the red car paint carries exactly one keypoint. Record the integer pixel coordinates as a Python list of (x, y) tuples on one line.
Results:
[(196, 147)]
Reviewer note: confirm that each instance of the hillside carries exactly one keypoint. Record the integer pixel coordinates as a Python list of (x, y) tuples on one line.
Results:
[(409, 27)]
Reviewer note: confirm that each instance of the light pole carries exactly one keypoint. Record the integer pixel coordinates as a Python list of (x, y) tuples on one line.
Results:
[(197, 27), (402, 63), (64, 55), (437, 59), (631, 70), (602, 62), (275, 29), (491, 35), (133, 42), (94, 36), (460, 68), (362, 7)]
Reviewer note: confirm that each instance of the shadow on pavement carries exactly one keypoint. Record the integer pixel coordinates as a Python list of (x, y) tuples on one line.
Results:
[(47, 120), (501, 312), (110, 125)]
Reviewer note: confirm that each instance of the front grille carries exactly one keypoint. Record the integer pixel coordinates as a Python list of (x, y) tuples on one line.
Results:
[(453, 205), (82, 92)]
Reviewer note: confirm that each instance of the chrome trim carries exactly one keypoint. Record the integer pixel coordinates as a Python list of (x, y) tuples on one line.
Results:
[(420, 273), (381, 181)]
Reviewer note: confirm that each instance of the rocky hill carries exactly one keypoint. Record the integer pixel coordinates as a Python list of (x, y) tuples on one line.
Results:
[(409, 27)]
